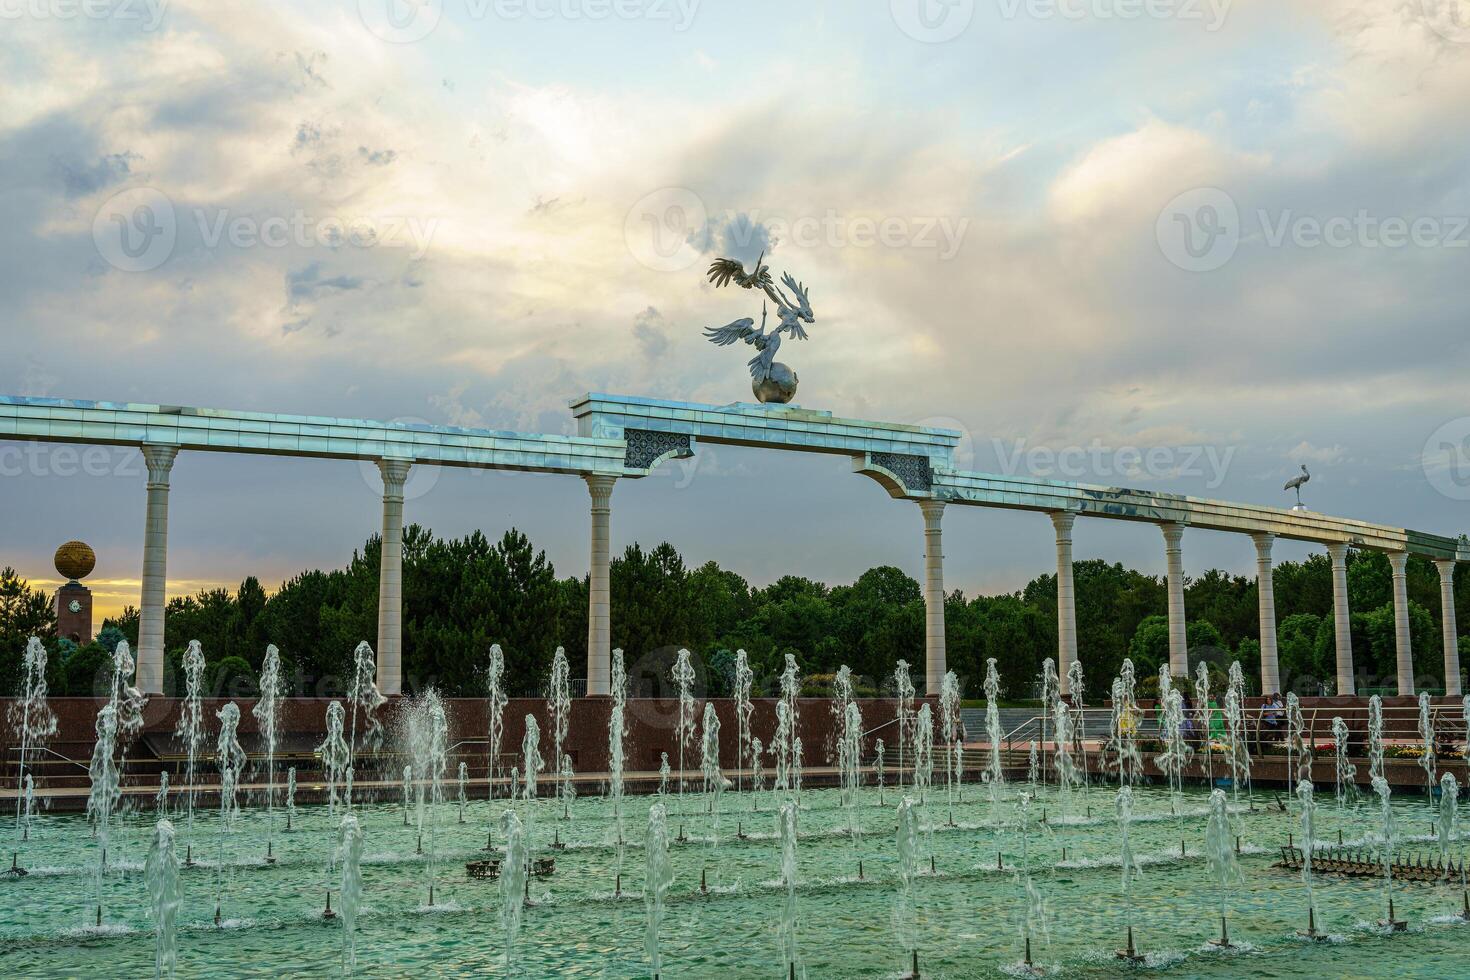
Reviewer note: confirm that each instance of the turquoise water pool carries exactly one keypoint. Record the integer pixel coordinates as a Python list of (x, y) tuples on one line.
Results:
[(969, 913)]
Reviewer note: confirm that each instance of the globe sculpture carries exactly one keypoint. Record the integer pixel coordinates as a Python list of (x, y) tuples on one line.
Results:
[(75, 560)]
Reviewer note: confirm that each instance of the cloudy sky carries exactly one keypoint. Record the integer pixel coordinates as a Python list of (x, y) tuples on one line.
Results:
[(1233, 231)]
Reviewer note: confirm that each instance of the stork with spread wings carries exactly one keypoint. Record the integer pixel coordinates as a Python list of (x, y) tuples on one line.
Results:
[(791, 313)]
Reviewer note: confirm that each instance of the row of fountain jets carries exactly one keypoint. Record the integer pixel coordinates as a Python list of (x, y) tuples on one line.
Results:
[(426, 731)]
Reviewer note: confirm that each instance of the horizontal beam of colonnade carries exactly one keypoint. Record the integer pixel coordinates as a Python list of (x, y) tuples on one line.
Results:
[(621, 436)]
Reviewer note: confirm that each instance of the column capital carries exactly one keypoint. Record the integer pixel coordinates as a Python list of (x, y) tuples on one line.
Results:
[(932, 509), (395, 475), (1263, 540), (600, 486), (1173, 535), (1399, 562), (1063, 520), (1338, 552), (1446, 568), (160, 462)]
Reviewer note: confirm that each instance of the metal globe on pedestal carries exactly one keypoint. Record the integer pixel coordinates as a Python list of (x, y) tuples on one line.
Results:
[(75, 560), (779, 388)]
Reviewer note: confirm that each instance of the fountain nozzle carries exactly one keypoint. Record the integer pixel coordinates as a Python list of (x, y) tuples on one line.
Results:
[(1224, 941), (16, 871), (1131, 953), (1312, 931), (216, 915), (329, 914), (1393, 923)]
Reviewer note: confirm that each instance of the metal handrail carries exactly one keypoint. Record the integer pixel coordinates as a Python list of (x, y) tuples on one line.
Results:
[(30, 749)]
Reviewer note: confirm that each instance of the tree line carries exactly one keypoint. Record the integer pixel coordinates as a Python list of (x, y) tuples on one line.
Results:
[(461, 595)]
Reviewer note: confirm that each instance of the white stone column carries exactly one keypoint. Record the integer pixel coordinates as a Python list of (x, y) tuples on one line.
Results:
[(1342, 619), (1266, 603), (934, 659), (390, 578), (160, 463), (1403, 639), (599, 587), (1063, 520), (1451, 634), (1178, 639)]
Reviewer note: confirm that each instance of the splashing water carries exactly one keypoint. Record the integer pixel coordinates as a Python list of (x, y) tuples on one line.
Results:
[(229, 757), (1123, 734), (786, 832), (271, 691), (1386, 832), (1447, 827), (790, 688), (1033, 767), (1176, 752), (906, 911), (1066, 768), (1206, 717), (160, 799), (796, 769), (781, 749), (1220, 851), (1050, 686), (923, 752), (663, 775), (1309, 838), (335, 755), (949, 724), (1123, 806), (878, 751), (683, 677), (364, 695), (513, 872), (1298, 756), (428, 734), (559, 709), (757, 770), (1375, 738), (616, 746), (463, 796), (904, 686), (190, 728), (161, 873), (744, 679), (1240, 756), (1345, 773), (349, 844), (1035, 918), (105, 792), (496, 701), (1076, 688), (531, 757), (849, 764), (290, 796), (407, 787), (994, 772), (567, 786), (33, 721), (659, 876), (709, 767), (1427, 761)]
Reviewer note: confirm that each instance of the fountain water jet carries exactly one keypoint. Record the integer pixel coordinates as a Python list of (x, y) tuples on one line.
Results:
[(683, 677), (33, 720), (350, 840), (514, 881), (364, 695), (659, 876), (1224, 868), (161, 873), (190, 728), (1345, 773), (1381, 787), (495, 703), (709, 765), (230, 758), (271, 691), (786, 833), (335, 755), (1309, 838), (904, 688), (744, 679), (559, 710)]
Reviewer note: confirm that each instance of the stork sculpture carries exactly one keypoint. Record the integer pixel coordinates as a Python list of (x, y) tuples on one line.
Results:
[(1295, 483)]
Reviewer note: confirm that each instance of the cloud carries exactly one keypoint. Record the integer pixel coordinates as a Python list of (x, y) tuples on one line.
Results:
[(649, 333)]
